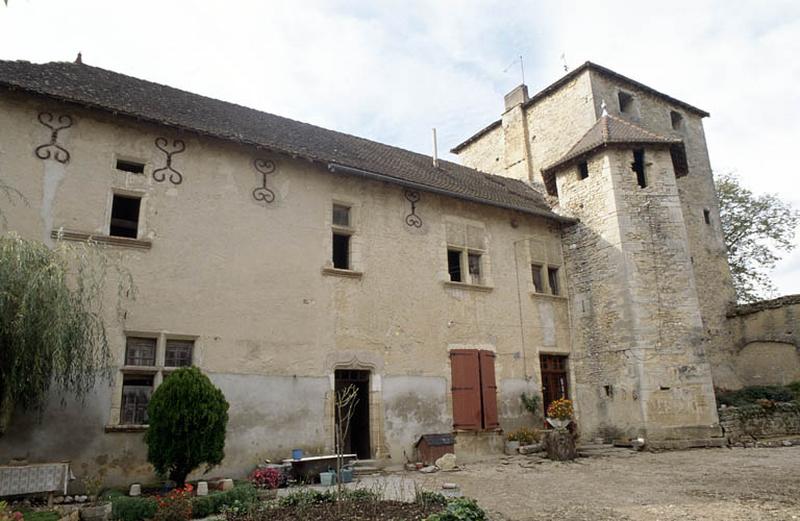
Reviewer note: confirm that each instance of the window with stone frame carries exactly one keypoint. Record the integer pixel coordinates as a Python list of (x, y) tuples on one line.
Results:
[(342, 224), (536, 275), (148, 360), (467, 260), (546, 262)]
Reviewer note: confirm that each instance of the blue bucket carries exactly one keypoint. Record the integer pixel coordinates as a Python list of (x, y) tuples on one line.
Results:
[(297, 454)]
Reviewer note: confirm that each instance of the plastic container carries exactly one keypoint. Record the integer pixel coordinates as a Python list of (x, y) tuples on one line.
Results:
[(327, 479), (347, 475), (297, 454)]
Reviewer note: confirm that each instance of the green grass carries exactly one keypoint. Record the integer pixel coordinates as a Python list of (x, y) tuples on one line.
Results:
[(46, 515)]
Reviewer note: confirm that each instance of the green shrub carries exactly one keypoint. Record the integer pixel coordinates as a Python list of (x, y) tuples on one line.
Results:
[(427, 498), (133, 508), (751, 395), (187, 417), (204, 506), (794, 388), (304, 498), (460, 509)]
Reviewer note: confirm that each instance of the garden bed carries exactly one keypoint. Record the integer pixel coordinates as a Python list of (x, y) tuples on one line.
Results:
[(351, 510)]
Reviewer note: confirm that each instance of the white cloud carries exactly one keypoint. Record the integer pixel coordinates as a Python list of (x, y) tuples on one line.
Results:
[(391, 70)]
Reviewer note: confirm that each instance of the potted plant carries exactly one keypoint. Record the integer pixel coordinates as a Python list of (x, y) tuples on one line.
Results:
[(559, 413), (95, 509), (266, 482), (520, 437)]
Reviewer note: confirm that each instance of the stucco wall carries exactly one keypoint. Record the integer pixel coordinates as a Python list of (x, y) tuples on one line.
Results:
[(247, 280), (765, 342)]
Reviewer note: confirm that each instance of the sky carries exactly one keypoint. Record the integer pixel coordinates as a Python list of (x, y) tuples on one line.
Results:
[(391, 70)]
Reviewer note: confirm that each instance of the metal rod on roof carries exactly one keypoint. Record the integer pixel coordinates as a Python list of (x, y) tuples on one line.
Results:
[(435, 150)]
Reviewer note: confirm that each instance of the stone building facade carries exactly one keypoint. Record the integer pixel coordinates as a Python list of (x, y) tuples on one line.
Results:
[(285, 260)]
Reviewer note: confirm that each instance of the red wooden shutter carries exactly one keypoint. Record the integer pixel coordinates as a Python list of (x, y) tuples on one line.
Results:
[(488, 390), (466, 390)]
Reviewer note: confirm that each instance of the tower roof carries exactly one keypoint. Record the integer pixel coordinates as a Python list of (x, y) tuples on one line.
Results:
[(608, 130)]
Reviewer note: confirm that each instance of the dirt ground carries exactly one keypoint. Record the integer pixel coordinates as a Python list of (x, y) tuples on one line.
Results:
[(695, 485)]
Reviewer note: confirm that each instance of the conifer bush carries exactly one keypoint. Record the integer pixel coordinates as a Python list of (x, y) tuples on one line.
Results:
[(187, 418)]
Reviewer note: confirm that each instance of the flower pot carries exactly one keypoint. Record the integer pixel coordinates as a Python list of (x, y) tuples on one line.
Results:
[(559, 424), (512, 447), (96, 512), (327, 479), (265, 494)]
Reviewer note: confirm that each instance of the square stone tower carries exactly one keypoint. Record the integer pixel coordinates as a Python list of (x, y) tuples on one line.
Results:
[(647, 274)]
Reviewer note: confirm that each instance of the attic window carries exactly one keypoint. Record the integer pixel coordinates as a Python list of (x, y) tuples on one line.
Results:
[(130, 166), (583, 170), (677, 120), (638, 167), (679, 164), (625, 102), (125, 216)]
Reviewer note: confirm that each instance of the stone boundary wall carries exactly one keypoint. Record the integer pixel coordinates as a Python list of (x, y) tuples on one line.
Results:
[(747, 424), (764, 344)]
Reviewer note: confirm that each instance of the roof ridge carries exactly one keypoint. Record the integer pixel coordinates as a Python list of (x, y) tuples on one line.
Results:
[(96, 88)]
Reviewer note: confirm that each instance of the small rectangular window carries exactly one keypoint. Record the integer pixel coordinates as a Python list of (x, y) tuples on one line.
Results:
[(676, 119), (552, 279), (707, 216), (638, 167), (341, 251), (124, 216), (341, 215), (583, 170), (130, 166), (454, 265), (677, 153), (136, 392), (140, 351), (536, 272), (178, 353), (625, 102), (474, 264)]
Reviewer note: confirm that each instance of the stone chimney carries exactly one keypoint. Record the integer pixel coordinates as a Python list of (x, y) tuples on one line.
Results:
[(516, 139), (516, 97)]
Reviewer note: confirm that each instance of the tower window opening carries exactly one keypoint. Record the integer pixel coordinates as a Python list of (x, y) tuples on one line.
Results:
[(583, 170), (638, 167)]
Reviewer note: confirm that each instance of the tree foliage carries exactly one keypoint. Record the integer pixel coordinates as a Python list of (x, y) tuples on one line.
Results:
[(51, 321), (187, 418), (756, 229)]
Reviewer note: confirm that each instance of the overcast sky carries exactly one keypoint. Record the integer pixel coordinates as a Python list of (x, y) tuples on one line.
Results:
[(391, 70)]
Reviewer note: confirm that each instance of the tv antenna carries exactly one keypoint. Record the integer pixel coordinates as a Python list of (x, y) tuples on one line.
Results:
[(521, 67), (564, 61)]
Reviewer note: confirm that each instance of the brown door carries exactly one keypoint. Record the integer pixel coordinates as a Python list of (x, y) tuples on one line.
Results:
[(466, 388), (554, 378), (474, 390)]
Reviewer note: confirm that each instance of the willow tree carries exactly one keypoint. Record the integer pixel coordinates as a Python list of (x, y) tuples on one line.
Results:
[(52, 329)]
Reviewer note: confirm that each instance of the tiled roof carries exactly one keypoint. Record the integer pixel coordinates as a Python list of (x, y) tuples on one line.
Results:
[(567, 78), (608, 130), (120, 94)]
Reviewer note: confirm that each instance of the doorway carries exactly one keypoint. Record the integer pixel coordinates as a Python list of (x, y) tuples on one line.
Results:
[(356, 441), (554, 379)]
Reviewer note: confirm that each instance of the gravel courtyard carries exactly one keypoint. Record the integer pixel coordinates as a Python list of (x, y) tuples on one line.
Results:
[(695, 485)]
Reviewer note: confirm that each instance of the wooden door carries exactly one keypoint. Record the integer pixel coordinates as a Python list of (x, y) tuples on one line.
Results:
[(555, 384)]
